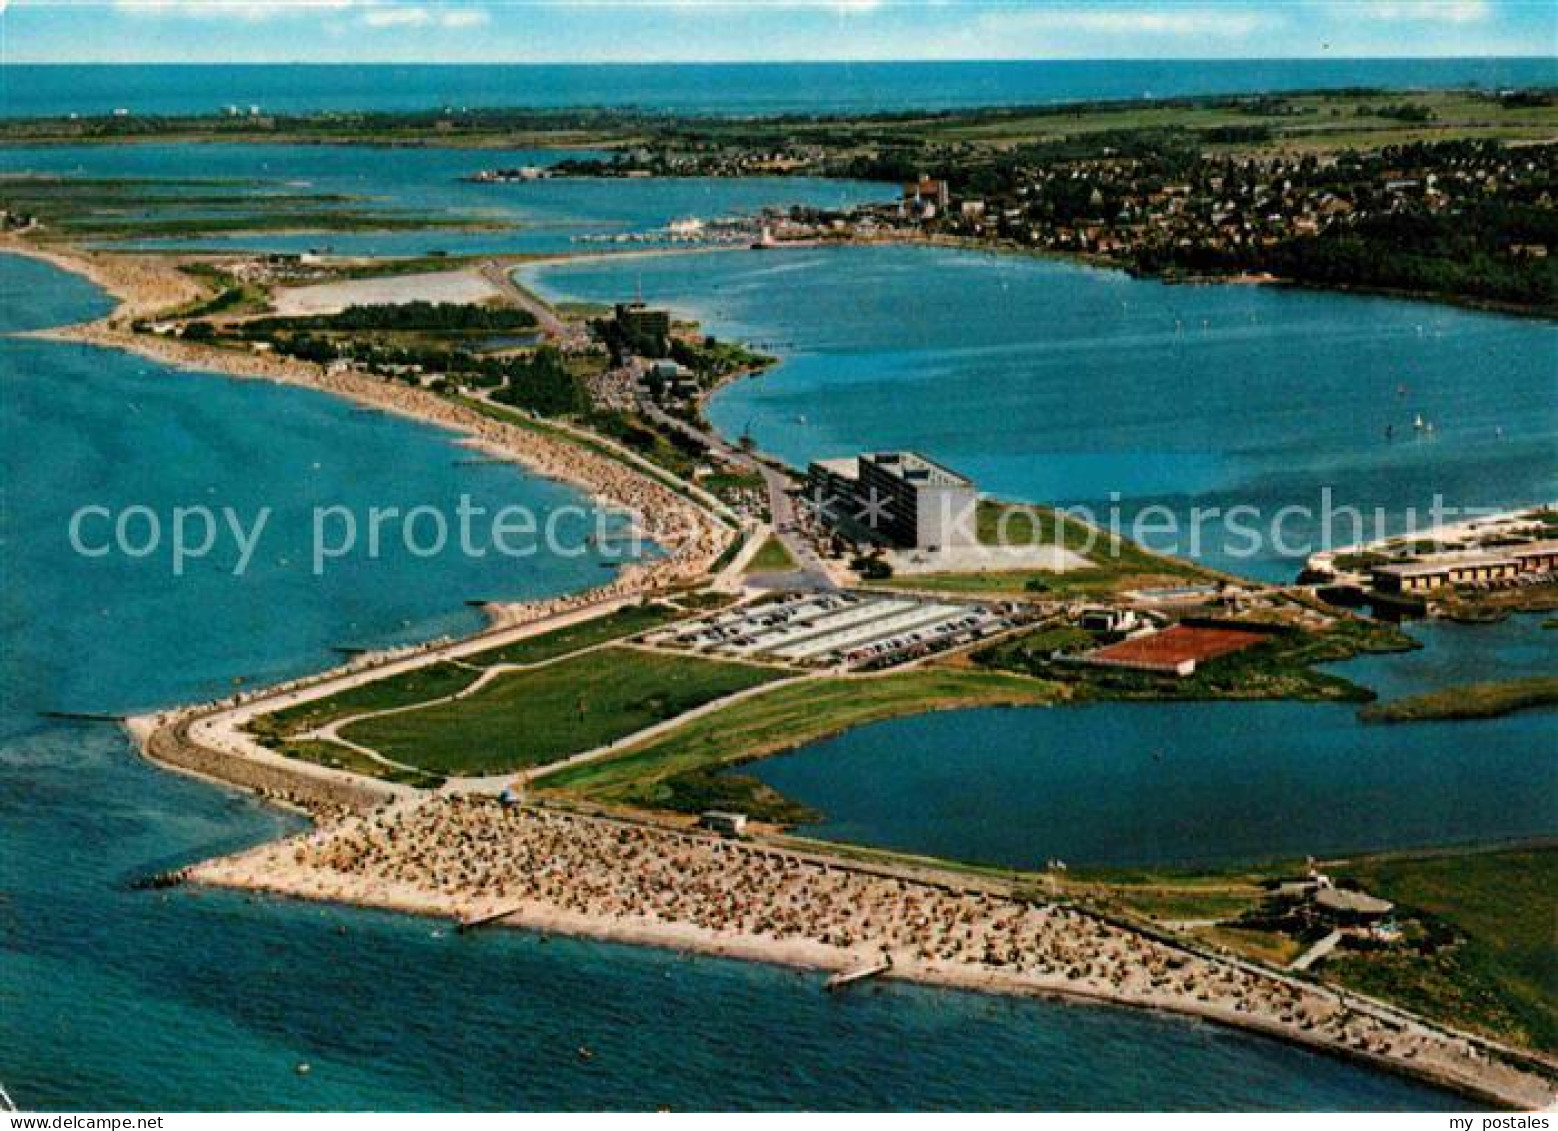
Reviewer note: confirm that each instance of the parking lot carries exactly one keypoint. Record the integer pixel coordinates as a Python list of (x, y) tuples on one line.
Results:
[(839, 629)]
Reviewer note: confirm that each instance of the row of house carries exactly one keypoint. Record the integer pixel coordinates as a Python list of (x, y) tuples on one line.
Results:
[(1475, 568), (1120, 205)]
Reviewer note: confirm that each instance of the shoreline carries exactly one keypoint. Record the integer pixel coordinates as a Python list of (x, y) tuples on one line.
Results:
[(690, 535), (1075, 955)]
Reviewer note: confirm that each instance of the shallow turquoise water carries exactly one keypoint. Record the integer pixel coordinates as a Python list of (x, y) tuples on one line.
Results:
[(422, 182), (119, 999), (1126, 784), (1054, 383)]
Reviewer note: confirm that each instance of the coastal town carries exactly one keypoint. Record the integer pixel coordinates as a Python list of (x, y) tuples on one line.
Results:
[(579, 766), (1228, 201)]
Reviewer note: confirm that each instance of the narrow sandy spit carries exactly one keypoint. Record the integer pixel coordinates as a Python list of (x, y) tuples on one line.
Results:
[(477, 860), (144, 285)]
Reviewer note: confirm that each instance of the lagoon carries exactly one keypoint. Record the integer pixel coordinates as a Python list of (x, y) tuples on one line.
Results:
[(1121, 784), (1055, 383), (529, 217)]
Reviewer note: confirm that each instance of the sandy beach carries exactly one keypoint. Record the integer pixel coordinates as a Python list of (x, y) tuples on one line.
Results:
[(690, 537), (473, 858), (459, 286)]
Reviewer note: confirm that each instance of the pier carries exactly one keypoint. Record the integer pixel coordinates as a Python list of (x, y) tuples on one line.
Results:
[(846, 978), (477, 922), (83, 716)]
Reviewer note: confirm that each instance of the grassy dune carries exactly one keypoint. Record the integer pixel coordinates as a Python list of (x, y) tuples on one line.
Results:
[(1499, 970), (1468, 701), (627, 621), (431, 682)]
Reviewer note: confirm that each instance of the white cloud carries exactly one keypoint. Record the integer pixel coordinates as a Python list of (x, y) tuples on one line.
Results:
[(375, 13), (1167, 21), (397, 17), (1432, 11), (243, 9), (844, 7)]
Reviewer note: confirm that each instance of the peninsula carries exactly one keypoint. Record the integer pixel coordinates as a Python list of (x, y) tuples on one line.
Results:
[(575, 766)]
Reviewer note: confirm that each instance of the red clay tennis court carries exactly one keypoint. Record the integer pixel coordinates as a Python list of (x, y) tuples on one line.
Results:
[(1178, 643)]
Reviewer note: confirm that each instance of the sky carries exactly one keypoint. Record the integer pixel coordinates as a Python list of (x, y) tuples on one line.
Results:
[(590, 31)]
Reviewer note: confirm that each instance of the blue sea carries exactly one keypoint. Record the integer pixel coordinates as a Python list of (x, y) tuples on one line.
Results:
[(763, 88), (113, 998), (1054, 383)]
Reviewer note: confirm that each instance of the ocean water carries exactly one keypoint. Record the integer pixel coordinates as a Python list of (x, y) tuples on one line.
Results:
[(1055, 383), (765, 88), (119, 999), (1141, 784), (537, 217), (91, 427)]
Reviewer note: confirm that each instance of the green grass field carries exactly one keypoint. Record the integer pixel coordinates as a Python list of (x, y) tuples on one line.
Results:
[(339, 757), (1324, 122), (431, 682), (1501, 973), (627, 621), (532, 717), (772, 557), (662, 771), (1114, 564)]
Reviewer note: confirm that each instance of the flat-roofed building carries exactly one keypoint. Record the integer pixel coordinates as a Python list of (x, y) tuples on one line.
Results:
[(1538, 557), (1438, 573), (636, 318), (899, 497), (916, 501), (1347, 906), (833, 483)]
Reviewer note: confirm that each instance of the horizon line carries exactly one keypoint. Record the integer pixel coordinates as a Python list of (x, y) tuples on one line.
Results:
[(765, 62)]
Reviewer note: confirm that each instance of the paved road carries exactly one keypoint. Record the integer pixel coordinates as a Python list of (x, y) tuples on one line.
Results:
[(496, 273), (781, 507), (1315, 953)]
